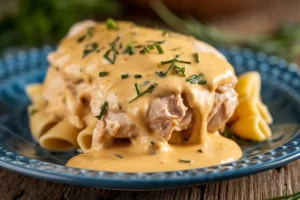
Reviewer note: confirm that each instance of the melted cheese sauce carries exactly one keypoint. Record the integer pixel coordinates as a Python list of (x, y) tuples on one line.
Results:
[(219, 150), (70, 67)]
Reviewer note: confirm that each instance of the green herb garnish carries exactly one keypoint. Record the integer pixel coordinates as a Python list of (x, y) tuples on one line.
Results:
[(102, 74), (179, 70), (89, 34), (149, 89), (123, 76), (200, 151), (184, 161), (89, 49), (159, 49), (152, 143), (156, 44), (112, 51), (196, 56), (137, 89), (102, 110), (111, 24), (137, 76), (118, 155), (129, 49), (33, 111), (197, 79)]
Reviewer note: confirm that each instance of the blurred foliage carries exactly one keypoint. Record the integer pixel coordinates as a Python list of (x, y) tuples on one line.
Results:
[(284, 42), (36, 22)]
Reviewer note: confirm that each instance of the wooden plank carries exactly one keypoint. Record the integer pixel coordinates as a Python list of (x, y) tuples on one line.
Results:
[(277, 182)]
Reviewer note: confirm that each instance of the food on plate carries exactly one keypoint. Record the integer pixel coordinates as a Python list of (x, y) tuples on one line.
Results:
[(251, 117), (137, 99)]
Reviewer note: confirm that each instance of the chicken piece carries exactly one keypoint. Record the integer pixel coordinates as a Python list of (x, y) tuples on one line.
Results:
[(167, 114), (224, 105)]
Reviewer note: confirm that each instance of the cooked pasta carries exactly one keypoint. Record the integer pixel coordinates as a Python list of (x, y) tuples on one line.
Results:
[(61, 137), (40, 123), (251, 117), (85, 137), (251, 107), (248, 85), (252, 127)]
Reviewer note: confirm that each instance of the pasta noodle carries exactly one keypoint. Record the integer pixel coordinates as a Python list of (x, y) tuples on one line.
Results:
[(34, 91), (249, 85), (62, 137), (40, 123), (251, 117), (251, 107), (85, 137), (252, 128)]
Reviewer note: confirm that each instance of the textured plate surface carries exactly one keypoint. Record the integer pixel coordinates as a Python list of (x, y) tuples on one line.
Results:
[(18, 151)]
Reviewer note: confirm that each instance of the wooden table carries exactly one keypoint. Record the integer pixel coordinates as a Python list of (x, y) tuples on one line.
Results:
[(273, 183)]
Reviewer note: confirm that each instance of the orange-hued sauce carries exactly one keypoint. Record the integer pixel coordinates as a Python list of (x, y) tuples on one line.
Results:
[(69, 66), (219, 150)]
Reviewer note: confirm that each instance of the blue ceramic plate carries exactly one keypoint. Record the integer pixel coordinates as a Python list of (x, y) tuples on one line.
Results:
[(18, 151)]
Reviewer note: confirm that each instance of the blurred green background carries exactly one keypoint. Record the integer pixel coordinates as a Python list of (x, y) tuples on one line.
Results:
[(27, 23)]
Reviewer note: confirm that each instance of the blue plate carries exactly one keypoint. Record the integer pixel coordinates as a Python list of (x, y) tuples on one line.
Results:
[(18, 151)]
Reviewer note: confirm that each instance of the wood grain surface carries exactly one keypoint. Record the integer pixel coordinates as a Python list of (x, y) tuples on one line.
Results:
[(281, 181)]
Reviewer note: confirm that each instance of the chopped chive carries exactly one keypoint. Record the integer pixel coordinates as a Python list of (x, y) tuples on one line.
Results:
[(111, 24), (159, 49), (137, 89), (129, 49), (146, 82), (149, 89), (145, 50), (112, 49), (102, 74), (175, 48), (120, 46), (33, 111), (200, 151), (110, 60), (137, 76), (152, 143), (89, 34), (180, 70), (102, 110), (197, 79), (118, 155), (196, 56), (156, 42), (184, 161), (81, 39), (123, 76), (138, 46), (89, 49), (164, 32)]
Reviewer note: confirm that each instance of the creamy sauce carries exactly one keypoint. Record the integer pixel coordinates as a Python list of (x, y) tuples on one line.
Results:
[(70, 67), (125, 158)]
